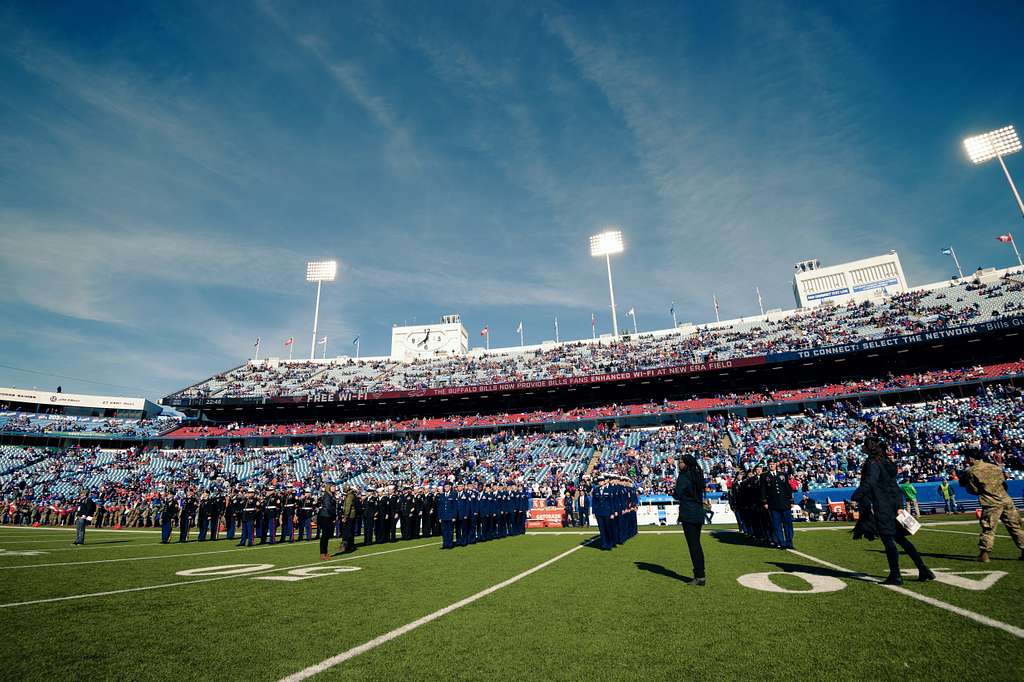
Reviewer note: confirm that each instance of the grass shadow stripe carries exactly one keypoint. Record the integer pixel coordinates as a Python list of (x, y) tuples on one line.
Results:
[(408, 627), (161, 586)]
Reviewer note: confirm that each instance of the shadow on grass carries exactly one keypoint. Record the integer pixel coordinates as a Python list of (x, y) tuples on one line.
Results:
[(970, 558), (658, 569), (734, 537), (814, 570)]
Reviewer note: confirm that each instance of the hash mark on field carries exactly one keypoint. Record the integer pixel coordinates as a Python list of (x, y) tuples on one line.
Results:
[(971, 615), (408, 627), (203, 580)]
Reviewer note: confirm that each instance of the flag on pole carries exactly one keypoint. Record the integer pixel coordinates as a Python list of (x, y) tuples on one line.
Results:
[(556, 328), (672, 308), (485, 331), (519, 329), (355, 340), (289, 341), (257, 344), (631, 312), (946, 252), (593, 320), (322, 340), (1005, 238)]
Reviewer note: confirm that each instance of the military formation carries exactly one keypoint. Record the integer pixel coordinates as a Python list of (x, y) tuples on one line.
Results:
[(471, 512), (461, 515), (614, 502), (762, 502)]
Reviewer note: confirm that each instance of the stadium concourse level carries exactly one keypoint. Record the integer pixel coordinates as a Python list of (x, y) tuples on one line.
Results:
[(49, 424), (849, 389), (918, 311), (818, 450)]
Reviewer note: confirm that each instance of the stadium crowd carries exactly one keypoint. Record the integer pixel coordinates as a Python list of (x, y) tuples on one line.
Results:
[(816, 450), (908, 313), (849, 388)]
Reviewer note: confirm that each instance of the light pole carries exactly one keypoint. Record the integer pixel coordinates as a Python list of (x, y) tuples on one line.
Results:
[(319, 272), (996, 144), (605, 244)]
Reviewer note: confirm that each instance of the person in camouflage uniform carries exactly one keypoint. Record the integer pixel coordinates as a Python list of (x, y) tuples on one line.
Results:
[(988, 482)]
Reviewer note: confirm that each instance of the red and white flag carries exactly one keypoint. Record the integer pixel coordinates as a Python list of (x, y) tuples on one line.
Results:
[(289, 341), (1005, 238), (485, 331)]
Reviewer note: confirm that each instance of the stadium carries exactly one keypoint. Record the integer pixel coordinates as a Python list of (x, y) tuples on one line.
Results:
[(702, 500)]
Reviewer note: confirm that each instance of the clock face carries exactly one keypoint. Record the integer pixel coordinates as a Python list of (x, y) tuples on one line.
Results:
[(425, 342)]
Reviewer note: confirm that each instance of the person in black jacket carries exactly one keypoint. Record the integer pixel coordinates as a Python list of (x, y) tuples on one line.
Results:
[(250, 513), (878, 499), (327, 514), (369, 516), (777, 499), (689, 492), (84, 514), (186, 514)]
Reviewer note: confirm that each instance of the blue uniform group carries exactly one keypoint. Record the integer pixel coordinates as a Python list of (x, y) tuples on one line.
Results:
[(469, 515), (615, 506)]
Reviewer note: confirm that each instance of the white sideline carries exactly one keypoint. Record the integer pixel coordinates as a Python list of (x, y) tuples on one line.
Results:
[(160, 556), (408, 627), (977, 617), (962, 532), (206, 580)]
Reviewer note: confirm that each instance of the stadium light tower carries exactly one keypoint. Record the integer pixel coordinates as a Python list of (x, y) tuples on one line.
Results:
[(319, 272), (605, 244), (995, 145)]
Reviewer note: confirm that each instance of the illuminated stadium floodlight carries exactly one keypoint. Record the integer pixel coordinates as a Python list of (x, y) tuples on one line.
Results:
[(605, 244), (996, 144), (319, 272)]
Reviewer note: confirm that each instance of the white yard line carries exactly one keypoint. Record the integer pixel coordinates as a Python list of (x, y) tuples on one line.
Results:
[(92, 546), (161, 556), (971, 615), (205, 580), (962, 532), (408, 627)]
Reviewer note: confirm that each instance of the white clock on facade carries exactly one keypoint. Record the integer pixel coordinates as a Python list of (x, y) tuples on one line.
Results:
[(429, 340)]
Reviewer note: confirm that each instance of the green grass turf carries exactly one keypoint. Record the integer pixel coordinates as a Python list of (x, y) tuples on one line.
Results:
[(623, 614)]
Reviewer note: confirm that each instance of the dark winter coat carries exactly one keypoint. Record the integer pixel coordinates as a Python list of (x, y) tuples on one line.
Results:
[(878, 498), (689, 492)]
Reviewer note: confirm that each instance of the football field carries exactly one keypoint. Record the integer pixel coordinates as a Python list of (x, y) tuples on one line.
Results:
[(546, 605)]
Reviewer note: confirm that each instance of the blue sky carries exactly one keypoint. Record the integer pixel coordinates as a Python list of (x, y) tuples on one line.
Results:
[(167, 169)]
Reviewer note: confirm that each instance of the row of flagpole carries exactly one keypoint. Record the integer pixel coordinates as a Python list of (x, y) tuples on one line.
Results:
[(289, 343), (1003, 239)]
